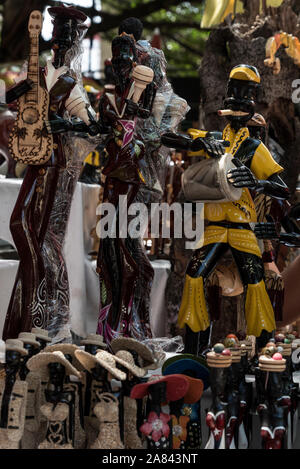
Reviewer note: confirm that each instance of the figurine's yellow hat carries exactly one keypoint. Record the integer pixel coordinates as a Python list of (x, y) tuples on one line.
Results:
[(245, 72)]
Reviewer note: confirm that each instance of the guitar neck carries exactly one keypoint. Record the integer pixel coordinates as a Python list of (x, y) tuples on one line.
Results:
[(33, 69)]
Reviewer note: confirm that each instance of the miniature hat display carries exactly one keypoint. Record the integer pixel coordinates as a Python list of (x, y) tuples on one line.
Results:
[(217, 360), (42, 334), (102, 358), (42, 360), (15, 345), (267, 363), (94, 339), (66, 349), (125, 358), (177, 387), (29, 338), (182, 363), (127, 343)]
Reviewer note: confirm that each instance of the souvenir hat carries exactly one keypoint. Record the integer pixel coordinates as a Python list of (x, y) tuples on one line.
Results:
[(126, 359), (195, 390), (185, 363), (177, 387), (15, 345), (66, 349), (67, 12), (41, 334), (102, 358), (42, 360), (94, 339), (128, 343), (29, 338)]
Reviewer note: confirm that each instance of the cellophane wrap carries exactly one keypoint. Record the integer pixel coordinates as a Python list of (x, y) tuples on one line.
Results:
[(167, 112), (165, 344), (76, 148)]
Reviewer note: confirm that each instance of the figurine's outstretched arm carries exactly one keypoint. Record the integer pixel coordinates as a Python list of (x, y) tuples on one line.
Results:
[(242, 176), (18, 90), (210, 145)]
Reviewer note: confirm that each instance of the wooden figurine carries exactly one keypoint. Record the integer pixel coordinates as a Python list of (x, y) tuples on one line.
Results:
[(219, 360), (13, 397), (58, 399), (157, 427), (33, 379), (271, 401), (228, 210), (107, 413), (196, 371), (125, 272), (75, 422), (128, 406), (40, 294), (100, 368)]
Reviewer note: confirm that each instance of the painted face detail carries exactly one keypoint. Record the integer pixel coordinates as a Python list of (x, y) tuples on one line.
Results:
[(123, 58)]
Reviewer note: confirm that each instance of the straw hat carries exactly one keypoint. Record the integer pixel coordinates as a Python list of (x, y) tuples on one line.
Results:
[(182, 363), (177, 387), (15, 345), (66, 349), (128, 343), (29, 338), (126, 359), (42, 359), (102, 358), (41, 334), (94, 339)]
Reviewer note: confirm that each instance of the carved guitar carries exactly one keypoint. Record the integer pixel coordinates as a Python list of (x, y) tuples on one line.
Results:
[(29, 143)]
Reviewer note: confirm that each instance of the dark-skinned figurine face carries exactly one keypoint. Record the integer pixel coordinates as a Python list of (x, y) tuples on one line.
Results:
[(12, 361), (242, 87), (67, 27), (56, 374), (123, 59), (98, 373)]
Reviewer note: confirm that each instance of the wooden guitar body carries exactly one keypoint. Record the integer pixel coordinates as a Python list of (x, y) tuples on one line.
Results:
[(29, 141)]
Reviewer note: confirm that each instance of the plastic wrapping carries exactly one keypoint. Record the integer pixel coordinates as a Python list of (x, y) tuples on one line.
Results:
[(165, 344), (57, 287), (167, 112)]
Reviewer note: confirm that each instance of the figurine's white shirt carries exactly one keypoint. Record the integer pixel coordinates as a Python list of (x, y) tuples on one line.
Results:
[(52, 74), (76, 103)]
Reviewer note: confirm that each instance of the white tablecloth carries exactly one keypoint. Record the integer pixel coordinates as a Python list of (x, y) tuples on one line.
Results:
[(158, 313), (83, 279), (77, 244)]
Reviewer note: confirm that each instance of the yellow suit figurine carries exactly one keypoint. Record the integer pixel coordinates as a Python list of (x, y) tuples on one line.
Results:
[(228, 223)]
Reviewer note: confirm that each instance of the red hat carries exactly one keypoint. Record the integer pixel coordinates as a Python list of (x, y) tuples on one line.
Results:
[(195, 390), (68, 13), (177, 387)]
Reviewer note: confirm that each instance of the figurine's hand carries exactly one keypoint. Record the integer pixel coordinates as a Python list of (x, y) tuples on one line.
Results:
[(94, 129), (292, 240), (214, 148), (58, 126), (143, 113), (266, 230), (241, 176), (178, 141), (132, 108)]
